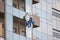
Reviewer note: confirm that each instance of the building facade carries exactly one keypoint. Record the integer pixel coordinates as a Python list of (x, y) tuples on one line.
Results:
[(45, 13)]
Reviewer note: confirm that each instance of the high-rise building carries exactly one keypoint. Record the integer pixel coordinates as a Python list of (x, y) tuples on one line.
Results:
[(15, 13)]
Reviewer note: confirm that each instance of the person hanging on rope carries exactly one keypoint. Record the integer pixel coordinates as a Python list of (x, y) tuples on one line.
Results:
[(30, 22)]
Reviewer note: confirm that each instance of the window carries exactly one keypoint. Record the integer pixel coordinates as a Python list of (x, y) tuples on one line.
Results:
[(2, 27), (3, 0), (20, 4), (19, 26), (14, 5), (35, 1)]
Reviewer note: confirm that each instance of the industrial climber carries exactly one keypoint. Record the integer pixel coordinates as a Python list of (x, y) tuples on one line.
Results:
[(29, 21)]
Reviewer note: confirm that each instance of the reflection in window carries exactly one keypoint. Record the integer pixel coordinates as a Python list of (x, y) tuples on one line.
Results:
[(15, 30), (19, 26), (20, 4)]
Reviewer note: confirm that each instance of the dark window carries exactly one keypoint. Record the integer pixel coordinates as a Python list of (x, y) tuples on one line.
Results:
[(20, 4), (15, 30), (2, 26), (35, 1), (19, 26), (3, 0), (14, 5)]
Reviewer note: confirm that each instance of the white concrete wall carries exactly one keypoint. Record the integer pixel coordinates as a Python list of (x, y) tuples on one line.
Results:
[(1, 38), (44, 11)]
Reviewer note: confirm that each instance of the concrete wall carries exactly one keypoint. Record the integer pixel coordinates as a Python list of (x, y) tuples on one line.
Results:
[(1, 38)]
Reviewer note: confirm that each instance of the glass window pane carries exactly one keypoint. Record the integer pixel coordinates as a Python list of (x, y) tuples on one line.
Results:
[(20, 4)]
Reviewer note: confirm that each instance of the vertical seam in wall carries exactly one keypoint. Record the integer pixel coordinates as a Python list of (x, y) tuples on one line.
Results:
[(46, 19), (5, 19)]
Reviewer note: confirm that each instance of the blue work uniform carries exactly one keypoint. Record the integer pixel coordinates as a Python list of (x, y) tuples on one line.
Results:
[(30, 22)]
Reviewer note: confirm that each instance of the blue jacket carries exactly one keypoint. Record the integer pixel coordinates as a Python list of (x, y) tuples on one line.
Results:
[(29, 23)]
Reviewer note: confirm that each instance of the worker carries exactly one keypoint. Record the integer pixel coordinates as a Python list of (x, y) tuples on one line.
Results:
[(29, 22)]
